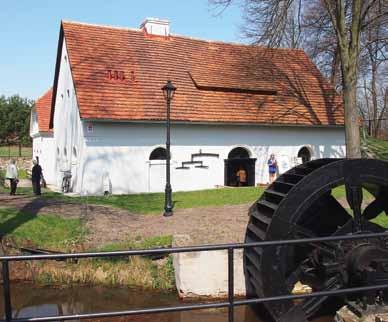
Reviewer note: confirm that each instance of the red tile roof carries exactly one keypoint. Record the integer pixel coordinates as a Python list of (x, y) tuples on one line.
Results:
[(43, 111), (217, 82)]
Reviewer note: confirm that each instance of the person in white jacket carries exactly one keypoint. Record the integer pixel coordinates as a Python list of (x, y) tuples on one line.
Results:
[(12, 175)]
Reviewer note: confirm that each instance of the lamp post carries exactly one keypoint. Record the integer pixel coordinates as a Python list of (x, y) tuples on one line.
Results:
[(168, 92)]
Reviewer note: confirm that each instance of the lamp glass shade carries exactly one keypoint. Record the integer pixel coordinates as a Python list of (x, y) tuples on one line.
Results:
[(168, 90)]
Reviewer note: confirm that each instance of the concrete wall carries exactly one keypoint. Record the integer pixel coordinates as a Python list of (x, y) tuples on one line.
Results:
[(205, 274), (121, 151)]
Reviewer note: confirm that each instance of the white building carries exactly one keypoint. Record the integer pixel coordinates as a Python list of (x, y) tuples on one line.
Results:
[(42, 136), (234, 106)]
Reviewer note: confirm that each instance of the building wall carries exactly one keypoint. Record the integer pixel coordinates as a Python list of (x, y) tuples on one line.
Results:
[(44, 148), (114, 157), (68, 135), (120, 152)]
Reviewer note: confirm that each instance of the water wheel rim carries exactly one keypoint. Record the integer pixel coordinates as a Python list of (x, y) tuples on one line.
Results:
[(320, 177)]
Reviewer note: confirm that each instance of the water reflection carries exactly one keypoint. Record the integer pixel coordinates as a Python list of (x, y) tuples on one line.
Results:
[(31, 301)]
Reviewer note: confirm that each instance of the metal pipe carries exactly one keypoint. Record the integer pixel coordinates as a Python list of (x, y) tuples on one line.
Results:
[(168, 190), (6, 291), (174, 250), (201, 306), (231, 302), (231, 284), (310, 295), (124, 313)]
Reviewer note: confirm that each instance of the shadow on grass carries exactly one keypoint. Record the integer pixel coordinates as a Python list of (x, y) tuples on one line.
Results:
[(23, 215)]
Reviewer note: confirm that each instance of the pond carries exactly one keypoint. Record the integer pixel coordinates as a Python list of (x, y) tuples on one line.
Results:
[(28, 300)]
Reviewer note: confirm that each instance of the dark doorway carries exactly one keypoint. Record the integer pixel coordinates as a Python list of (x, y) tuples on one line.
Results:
[(238, 159), (305, 154)]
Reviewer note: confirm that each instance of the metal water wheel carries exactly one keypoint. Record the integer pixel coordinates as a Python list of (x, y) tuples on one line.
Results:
[(304, 203)]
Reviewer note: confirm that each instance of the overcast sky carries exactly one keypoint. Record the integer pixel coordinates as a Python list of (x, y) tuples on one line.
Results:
[(29, 32)]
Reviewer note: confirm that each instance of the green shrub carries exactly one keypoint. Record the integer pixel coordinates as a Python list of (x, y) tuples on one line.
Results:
[(2, 178)]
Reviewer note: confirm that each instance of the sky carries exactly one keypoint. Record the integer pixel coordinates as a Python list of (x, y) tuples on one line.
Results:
[(29, 31)]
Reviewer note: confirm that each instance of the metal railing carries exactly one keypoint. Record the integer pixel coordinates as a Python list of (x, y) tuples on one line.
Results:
[(230, 303)]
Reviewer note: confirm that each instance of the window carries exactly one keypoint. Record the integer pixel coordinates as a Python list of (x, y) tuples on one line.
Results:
[(74, 152), (58, 152), (305, 154), (65, 152), (158, 154)]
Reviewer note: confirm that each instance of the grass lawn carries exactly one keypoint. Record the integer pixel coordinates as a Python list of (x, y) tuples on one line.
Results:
[(153, 203), (378, 147), (45, 231), (13, 151)]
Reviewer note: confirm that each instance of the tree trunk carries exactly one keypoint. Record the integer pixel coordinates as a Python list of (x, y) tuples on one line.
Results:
[(374, 99), (352, 128), (348, 46), (352, 117)]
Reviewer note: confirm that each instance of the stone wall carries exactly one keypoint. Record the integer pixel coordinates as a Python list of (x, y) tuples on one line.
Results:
[(21, 162)]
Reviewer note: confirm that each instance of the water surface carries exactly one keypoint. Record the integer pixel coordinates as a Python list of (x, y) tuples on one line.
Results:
[(28, 300)]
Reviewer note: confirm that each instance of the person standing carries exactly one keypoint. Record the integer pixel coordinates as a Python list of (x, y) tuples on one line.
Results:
[(12, 175), (272, 167), (241, 177), (36, 177)]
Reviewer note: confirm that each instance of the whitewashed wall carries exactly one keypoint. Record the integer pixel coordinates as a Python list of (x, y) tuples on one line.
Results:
[(43, 146), (122, 151), (68, 135)]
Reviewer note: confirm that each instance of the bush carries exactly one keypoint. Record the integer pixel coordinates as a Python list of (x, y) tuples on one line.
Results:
[(2, 178)]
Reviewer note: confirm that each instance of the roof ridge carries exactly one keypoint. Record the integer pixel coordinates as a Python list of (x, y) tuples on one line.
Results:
[(182, 36), (99, 25), (45, 93)]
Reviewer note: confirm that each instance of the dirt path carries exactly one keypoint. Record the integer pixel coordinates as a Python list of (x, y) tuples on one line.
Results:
[(107, 224)]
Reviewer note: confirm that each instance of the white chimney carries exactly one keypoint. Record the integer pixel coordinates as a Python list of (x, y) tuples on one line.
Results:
[(155, 26)]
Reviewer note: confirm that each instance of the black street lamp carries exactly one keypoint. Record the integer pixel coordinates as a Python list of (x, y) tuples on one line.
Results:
[(168, 92)]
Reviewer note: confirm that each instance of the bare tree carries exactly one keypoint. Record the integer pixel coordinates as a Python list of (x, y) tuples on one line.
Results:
[(341, 22)]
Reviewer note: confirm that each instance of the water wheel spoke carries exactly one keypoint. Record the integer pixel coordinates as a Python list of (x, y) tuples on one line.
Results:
[(311, 305), (377, 206)]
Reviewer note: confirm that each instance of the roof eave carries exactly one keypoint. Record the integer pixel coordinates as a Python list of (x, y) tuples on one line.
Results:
[(214, 123), (56, 75)]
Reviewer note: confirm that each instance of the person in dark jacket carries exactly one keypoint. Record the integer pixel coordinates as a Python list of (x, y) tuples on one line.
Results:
[(36, 177)]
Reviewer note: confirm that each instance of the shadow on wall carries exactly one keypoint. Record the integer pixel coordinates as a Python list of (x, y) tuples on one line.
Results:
[(327, 151)]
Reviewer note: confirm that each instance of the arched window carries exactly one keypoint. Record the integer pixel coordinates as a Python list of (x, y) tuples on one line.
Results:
[(58, 151), (158, 154), (238, 153), (305, 154), (65, 152)]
